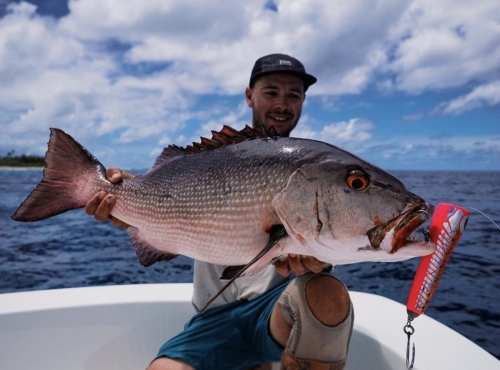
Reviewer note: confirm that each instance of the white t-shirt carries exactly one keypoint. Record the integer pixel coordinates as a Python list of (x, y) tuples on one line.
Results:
[(207, 283)]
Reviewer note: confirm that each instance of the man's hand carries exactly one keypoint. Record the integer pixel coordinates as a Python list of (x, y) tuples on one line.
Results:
[(298, 264), (102, 203)]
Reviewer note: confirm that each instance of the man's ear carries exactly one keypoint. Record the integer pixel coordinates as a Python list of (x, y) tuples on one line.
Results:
[(248, 95)]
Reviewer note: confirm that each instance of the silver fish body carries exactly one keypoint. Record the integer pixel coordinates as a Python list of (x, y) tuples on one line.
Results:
[(219, 205)]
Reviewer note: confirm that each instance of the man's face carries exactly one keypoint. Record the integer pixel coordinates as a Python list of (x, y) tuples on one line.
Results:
[(276, 100)]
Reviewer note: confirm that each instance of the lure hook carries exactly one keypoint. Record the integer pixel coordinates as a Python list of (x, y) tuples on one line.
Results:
[(427, 234), (409, 330)]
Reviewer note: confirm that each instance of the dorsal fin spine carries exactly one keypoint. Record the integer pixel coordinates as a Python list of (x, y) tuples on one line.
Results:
[(226, 136)]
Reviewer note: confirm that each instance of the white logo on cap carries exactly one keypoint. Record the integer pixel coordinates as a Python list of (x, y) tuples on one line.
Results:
[(287, 62)]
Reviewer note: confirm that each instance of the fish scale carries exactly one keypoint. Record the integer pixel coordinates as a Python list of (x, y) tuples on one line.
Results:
[(200, 209), (221, 205)]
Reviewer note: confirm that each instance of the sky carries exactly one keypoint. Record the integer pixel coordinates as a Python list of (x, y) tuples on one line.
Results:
[(409, 85)]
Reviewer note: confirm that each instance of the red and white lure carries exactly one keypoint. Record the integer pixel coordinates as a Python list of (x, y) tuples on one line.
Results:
[(447, 226)]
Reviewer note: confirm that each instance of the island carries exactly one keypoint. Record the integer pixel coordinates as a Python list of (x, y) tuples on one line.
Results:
[(11, 160)]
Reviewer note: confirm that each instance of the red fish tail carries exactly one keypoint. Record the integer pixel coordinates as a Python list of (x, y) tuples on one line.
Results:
[(69, 180)]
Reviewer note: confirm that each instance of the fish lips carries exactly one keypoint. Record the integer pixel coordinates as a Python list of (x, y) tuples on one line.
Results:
[(399, 227)]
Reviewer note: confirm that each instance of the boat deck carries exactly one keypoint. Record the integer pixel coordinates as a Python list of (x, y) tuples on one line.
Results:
[(121, 327)]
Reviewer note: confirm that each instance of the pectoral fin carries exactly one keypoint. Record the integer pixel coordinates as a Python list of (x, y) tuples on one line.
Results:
[(231, 271), (276, 234)]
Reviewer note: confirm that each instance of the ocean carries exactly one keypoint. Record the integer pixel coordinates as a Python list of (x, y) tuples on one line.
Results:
[(74, 250)]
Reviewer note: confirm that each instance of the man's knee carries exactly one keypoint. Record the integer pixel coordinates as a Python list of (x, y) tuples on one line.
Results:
[(320, 312), (328, 299)]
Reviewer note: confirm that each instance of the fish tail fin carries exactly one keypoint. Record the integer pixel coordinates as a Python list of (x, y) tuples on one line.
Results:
[(70, 180)]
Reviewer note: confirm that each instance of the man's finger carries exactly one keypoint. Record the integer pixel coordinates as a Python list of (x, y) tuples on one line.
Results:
[(313, 264), (103, 211), (127, 175), (296, 264), (92, 204), (115, 174), (282, 267), (119, 223)]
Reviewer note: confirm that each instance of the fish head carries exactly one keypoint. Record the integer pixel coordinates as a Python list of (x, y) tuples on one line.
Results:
[(352, 212)]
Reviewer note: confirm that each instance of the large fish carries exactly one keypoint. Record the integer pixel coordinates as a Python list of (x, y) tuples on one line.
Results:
[(226, 199)]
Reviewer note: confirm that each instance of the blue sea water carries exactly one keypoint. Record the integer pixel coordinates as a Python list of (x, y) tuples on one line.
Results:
[(73, 250)]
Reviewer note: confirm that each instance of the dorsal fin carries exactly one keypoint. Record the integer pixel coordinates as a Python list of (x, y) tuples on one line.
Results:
[(170, 152), (226, 136)]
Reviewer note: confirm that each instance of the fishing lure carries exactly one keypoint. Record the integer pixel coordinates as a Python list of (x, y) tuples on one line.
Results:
[(447, 226)]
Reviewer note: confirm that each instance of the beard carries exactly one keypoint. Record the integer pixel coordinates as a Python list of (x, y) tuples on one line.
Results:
[(282, 130)]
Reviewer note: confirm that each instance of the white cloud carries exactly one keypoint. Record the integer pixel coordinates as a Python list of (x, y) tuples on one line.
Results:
[(413, 117), (51, 78), (80, 72), (343, 133), (418, 152), (442, 44), (483, 95), (215, 43)]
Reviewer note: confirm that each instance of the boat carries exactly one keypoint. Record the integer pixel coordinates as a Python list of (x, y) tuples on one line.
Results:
[(122, 327)]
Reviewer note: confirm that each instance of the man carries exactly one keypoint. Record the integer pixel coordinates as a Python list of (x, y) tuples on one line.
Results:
[(306, 322)]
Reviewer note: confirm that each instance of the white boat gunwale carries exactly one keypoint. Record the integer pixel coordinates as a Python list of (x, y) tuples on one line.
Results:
[(122, 327)]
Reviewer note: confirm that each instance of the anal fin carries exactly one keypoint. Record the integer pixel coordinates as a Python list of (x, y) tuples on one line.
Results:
[(146, 253)]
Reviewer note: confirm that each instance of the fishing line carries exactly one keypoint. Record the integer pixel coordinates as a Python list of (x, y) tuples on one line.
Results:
[(477, 210)]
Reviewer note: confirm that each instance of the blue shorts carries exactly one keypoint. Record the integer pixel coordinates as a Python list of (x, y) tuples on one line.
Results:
[(233, 336)]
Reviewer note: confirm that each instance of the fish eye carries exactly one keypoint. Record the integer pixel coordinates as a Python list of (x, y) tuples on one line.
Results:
[(357, 180)]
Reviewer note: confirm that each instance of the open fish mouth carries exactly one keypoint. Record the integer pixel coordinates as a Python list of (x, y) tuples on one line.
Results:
[(396, 233)]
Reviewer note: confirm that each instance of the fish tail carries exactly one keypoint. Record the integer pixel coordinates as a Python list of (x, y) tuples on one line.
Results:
[(70, 179)]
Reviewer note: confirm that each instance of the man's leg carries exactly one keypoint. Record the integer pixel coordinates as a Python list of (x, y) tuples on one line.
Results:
[(232, 336), (329, 302)]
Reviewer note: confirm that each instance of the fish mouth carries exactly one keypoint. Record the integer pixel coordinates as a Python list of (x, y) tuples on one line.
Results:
[(396, 233)]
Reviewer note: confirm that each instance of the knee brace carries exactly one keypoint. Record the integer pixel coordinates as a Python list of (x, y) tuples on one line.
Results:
[(310, 339)]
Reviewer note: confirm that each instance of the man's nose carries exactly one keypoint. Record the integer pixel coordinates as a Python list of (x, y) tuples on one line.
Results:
[(281, 102)]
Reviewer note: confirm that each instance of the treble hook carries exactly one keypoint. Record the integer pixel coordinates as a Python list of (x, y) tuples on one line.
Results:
[(409, 330), (427, 234)]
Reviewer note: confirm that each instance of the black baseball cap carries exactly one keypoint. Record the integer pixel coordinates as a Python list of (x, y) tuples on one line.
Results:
[(280, 63)]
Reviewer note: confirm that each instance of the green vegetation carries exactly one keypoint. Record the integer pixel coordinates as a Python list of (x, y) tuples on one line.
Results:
[(10, 160)]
